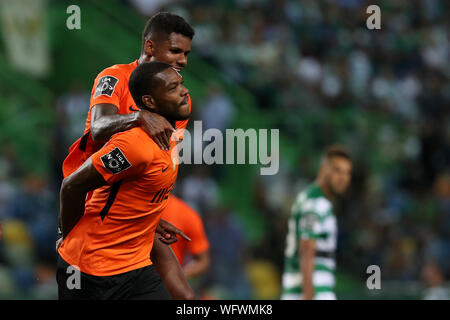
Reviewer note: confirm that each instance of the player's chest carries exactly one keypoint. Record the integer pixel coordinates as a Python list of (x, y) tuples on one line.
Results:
[(158, 181)]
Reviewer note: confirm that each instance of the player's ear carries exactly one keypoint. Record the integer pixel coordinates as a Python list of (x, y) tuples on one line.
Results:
[(149, 102), (149, 47)]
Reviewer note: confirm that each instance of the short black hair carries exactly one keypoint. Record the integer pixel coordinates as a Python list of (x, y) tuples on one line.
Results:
[(164, 23), (142, 80), (337, 150)]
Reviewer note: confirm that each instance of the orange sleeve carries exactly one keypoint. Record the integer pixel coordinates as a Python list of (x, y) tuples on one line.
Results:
[(108, 87), (199, 242), (122, 157)]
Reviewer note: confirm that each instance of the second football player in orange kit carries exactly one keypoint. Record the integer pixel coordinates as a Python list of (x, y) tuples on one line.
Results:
[(110, 236), (182, 216)]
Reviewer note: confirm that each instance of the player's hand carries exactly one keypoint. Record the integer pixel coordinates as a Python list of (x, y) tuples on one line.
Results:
[(157, 127), (169, 232)]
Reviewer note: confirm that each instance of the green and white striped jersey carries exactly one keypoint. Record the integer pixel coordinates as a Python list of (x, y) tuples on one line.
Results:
[(311, 217)]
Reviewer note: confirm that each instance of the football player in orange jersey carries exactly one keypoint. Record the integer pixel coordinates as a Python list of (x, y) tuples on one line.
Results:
[(167, 38), (109, 236)]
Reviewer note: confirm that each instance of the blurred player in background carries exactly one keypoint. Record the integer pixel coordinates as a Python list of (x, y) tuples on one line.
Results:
[(167, 38), (312, 231), (187, 219), (109, 237), (434, 280)]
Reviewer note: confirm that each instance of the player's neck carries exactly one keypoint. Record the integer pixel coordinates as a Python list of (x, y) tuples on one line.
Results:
[(324, 187), (171, 121), (144, 58)]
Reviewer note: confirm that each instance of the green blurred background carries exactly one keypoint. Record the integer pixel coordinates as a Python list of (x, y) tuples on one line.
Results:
[(308, 68)]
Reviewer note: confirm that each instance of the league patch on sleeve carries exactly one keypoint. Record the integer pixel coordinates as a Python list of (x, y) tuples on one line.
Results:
[(105, 86), (115, 161)]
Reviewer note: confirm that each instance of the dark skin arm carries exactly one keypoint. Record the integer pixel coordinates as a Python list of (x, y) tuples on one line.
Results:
[(167, 266), (308, 251), (105, 122), (199, 264)]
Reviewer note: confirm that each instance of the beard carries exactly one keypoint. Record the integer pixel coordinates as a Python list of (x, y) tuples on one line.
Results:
[(182, 114), (175, 113)]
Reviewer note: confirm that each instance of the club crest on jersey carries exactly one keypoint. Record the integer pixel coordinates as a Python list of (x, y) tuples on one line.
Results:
[(115, 161), (106, 86)]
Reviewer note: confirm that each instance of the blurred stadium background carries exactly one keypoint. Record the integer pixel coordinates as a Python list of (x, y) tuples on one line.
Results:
[(311, 69)]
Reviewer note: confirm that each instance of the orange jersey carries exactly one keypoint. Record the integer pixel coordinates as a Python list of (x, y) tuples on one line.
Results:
[(110, 87), (188, 220), (115, 234)]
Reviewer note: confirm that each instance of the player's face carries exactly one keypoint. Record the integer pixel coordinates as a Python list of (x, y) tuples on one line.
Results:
[(173, 51), (339, 171), (171, 96)]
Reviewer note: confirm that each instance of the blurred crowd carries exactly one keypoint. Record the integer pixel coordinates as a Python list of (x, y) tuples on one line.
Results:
[(383, 93), (322, 76)]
